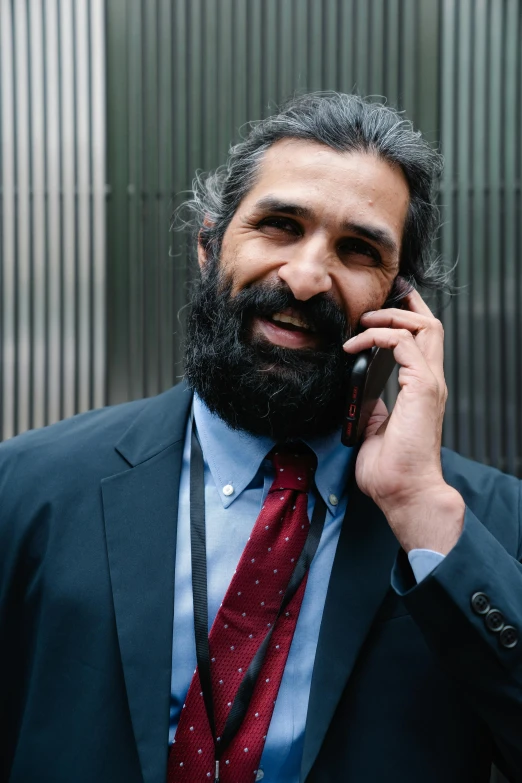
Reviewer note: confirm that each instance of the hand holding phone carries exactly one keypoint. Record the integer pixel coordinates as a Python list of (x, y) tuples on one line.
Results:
[(370, 373), (399, 465)]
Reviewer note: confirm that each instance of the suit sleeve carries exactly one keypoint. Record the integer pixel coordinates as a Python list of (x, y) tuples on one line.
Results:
[(469, 609)]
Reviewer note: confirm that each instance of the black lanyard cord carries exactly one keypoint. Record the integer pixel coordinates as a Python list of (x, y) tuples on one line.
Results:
[(199, 575), (199, 588)]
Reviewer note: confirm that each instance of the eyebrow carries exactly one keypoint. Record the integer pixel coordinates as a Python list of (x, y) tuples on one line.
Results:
[(380, 236)]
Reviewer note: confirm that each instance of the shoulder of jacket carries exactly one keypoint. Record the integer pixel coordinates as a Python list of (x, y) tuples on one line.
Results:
[(63, 439), (475, 475), (65, 459), (47, 471), (494, 497)]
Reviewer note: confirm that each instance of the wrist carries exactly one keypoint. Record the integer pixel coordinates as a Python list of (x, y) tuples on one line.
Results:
[(430, 519)]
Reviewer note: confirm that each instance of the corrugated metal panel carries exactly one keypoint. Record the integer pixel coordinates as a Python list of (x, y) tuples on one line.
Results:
[(184, 75), (182, 78), (52, 262), (480, 110)]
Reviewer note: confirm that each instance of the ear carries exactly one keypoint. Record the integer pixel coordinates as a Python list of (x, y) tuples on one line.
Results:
[(202, 253)]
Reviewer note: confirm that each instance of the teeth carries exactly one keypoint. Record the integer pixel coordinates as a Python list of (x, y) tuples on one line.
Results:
[(290, 319)]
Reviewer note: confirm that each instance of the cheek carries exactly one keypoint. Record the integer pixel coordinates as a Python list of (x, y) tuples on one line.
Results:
[(245, 264), (363, 292)]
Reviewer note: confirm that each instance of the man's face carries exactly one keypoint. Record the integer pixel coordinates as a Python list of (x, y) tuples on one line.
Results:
[(321, 222), (313, 245)]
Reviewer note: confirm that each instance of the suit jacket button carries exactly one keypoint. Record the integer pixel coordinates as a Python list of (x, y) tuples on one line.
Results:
[(480, 603), (508, 636), (494, 620)]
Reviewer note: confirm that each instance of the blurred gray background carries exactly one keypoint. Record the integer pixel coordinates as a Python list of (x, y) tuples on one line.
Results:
[(108, 107)]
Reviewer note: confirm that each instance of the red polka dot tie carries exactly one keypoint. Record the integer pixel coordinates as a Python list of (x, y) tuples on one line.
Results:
[(248, 611)]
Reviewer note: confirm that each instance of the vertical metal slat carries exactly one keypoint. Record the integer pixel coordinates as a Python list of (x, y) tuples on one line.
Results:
[(478, 283), (447, 102), (83, 185), (53, 216), (462, 303), (38, 225), (98, 125), (8, 214), (493, 263), (23, 221), (68, 207), (510, 338)]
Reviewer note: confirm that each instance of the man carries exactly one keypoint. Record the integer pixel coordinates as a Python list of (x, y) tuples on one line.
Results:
[(128, 534)]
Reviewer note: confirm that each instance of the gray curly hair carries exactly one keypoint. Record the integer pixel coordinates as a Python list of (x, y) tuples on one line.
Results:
[(345, 123)]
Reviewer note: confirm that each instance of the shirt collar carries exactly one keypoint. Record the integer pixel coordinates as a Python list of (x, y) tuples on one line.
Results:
[(235, 456)]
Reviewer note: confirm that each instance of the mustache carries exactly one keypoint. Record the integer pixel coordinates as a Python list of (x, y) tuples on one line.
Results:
[(262, 300)]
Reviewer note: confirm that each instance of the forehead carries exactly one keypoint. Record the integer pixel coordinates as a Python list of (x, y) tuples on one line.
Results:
[(335, 185)]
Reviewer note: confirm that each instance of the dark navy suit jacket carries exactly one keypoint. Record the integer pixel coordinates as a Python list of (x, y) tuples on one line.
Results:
[(409, 684)]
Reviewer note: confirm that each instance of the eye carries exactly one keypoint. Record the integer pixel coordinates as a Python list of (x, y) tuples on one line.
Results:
[(353, 246), (275, 226)]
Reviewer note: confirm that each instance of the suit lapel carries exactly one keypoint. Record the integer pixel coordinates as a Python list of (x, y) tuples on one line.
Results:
[(140, 512), (359, 581)]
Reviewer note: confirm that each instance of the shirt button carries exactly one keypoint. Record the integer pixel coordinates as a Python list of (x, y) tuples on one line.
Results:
[(260, 774), (334, 500), (228, 489)]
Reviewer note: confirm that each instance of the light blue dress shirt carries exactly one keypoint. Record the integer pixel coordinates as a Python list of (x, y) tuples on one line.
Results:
[(237, 479)]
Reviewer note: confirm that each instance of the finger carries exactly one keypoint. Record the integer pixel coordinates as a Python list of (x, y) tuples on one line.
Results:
[(428, 331), (401, 319), (405, 351), (416, 304)]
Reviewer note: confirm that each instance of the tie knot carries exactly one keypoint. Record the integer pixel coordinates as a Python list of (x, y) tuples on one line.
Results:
[(294, 466)]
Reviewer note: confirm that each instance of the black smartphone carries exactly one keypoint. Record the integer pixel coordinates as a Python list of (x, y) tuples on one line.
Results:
[(370, 372)]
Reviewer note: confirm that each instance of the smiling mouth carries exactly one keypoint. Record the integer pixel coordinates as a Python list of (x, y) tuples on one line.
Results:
[(287, 329), (291, 321)]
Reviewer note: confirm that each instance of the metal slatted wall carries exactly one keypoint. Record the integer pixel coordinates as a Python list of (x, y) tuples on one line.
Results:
[(52, 240), (185, 75), (182, 77), (481, 137)]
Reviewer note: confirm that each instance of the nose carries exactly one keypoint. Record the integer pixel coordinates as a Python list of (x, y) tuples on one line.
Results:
[(306, 273)]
